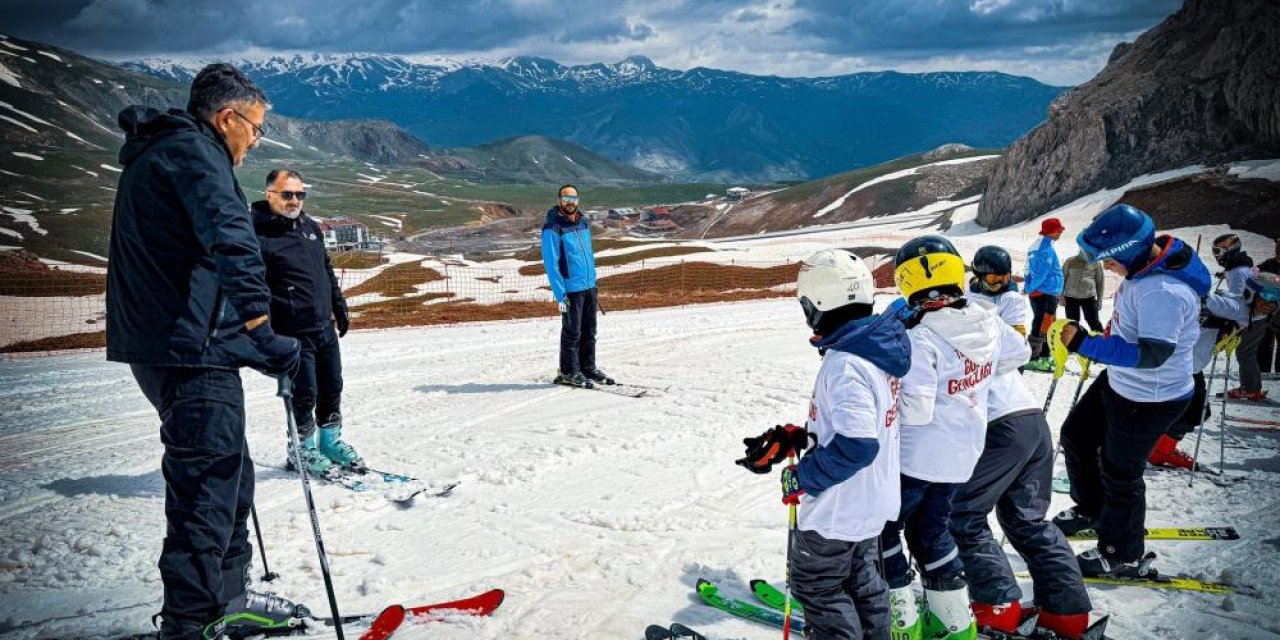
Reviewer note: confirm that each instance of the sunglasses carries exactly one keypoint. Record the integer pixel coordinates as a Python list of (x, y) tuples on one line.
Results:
[(257, 130), (290, 195), (570, 198)]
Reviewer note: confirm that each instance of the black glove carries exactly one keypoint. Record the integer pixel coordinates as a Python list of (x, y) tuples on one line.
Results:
[(773, 446), (341, 321), (1077, 339), (279, 353)]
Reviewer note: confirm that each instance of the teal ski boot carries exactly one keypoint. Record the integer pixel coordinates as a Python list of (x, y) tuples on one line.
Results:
[(318, 465), (337, 451)]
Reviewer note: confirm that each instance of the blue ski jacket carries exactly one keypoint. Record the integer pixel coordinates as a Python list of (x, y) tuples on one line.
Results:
[(567, 254), (1044, 272)]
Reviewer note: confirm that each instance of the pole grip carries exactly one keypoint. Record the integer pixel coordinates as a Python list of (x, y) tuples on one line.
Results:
[(284, 386)]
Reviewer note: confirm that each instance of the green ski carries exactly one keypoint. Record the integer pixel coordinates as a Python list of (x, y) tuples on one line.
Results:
[(711, 596), (773, 598)]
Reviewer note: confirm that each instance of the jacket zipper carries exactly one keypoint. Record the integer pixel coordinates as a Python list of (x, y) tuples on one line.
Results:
[(580, 245), (215, 318)]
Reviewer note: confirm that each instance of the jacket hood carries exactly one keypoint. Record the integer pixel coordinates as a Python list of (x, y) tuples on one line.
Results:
[(264, 219), (881, 338), (144, 126), (555, 217), (973, 329), (1180, 261)]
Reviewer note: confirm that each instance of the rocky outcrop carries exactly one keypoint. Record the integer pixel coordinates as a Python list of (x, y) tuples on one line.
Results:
[(1202, 87)]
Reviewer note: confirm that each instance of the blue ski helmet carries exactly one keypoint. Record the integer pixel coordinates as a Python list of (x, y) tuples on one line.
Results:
[(1122, 233)]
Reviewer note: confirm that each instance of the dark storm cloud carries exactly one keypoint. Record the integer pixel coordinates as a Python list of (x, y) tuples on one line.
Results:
[(922, 28)]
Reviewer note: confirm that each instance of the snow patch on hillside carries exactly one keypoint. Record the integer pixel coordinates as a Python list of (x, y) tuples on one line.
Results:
[(1256, 170), (7, 75), (23, 216), (18, 123), (29, 156), (839, 202)]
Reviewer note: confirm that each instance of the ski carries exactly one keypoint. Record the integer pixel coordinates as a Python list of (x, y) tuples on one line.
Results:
[(774, 598), (674, 632), (1172, 582), (710, 595), (657, 632), (480, 605), (1255, 421), (1170, 533), (393, 486), (625, 390), (385, 624)]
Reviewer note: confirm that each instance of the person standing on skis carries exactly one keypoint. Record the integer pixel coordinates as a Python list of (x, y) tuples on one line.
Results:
[(1043, 283), (1146, 387), (847, 485), (187, 306), (1014, 477), (1237, 269), (570, 263), (307, 304), (958, 346)]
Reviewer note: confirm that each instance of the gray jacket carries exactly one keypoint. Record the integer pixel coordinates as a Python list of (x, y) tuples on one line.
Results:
[(1084, 279)]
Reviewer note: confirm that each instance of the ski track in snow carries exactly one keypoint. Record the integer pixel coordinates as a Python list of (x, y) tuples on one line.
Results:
[(595, 512)]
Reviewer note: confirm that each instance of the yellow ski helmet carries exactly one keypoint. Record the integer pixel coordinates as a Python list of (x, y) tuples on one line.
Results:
[(928, 267)]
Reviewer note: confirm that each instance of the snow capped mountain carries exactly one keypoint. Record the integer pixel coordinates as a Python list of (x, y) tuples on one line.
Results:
[(699, 123)]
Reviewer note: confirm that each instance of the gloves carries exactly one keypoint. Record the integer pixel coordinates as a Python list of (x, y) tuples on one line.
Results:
[(772, 446), (280, 353), (341, 321), (563, 307), (791, 490)]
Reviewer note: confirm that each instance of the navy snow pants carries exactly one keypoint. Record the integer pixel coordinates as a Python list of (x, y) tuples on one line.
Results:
[(843, 594), (317, 384), (578, 333), (925, 512)]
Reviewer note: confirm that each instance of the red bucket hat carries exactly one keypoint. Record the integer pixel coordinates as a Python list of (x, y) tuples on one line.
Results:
[(1050, 226)]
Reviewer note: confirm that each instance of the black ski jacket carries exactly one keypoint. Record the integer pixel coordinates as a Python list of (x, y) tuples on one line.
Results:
[(184, 273), (304, 290)]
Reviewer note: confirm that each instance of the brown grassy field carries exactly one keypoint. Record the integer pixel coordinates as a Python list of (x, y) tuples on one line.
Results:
[(396, 280)]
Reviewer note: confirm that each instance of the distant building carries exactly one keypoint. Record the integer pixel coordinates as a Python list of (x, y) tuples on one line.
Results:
[(344, 234), (737, 193), (655, 227), (624, 212), (596, 215), (655, 213)]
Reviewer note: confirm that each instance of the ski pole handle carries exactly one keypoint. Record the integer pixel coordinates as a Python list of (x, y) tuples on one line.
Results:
[(284, 386)]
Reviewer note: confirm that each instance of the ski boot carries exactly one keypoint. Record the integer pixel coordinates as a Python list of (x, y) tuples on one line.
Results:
[(318, 466), (1071, 521), (1041, 365), (338, 452), (575, 379), (947, 615), (1166, 454), (1071, 626), (1005, 618), (906, 623), (254, 613), (1094, 564), (599, 377), (1239, 393)]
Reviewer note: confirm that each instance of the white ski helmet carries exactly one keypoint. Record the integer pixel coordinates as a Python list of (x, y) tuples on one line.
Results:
[(830, 279)]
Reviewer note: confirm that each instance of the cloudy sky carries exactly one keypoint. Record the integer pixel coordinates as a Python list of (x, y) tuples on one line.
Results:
[(1055, 41)]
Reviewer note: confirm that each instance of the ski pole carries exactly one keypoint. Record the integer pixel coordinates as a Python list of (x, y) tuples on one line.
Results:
[(791, 533), (285, 391), (1204, 417), (1222, 416), (267, 574)]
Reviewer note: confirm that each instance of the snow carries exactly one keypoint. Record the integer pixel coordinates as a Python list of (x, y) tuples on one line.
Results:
[(839, 202), (7, 75), (79, 139), (89, 255), (569, 159), (49, 55), (24, 114), (369, 179), (13, 46), (11, 232), (68, 210), (17, 122), (1256, 170), (111, 168), (595, 512), (32, 195), (276, 143), (24, 216), (24, 154)]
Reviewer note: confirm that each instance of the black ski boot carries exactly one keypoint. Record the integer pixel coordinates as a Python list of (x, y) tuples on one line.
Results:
[(599, 377), (1094, 564), (1072, 521), (255, 613), (575, 379)]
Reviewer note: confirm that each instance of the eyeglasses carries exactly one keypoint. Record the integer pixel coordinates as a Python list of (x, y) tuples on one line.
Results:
[(257, 130), (571, 198), (289, 195)]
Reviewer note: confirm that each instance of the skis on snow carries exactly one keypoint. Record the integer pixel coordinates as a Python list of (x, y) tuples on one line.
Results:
[(393, 486), (1172, 533), (673, 632), (628, 390)]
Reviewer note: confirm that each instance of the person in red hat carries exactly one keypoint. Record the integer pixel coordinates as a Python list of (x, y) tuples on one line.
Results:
[(1043, 284)]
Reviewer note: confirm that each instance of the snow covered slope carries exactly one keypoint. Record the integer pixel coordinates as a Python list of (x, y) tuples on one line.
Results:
[(597, 513)]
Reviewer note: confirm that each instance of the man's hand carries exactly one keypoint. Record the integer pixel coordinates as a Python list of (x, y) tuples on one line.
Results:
[(341, 321), (563, 307), (280, 353)]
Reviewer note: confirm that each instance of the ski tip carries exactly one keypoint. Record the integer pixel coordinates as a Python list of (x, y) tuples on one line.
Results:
[(757, 583), (704, 585), (678, 630), (499, 596), (1096, 630), (655, 632)]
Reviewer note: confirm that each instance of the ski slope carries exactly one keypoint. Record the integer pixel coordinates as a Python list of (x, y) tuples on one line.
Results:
[(597, 513)]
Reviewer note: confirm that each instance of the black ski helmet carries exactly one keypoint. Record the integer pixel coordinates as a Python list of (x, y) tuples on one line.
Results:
[(1225, 247), (992, 259)]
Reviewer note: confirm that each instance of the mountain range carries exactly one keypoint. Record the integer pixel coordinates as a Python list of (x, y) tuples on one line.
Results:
[(702, 124)]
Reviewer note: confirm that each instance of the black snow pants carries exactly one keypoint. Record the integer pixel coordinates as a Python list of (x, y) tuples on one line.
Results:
[(578, 332), (1106, 440), (208, 492), (1014, 476), (1195, 412), (317, 384), (922, 518), (843, 594)]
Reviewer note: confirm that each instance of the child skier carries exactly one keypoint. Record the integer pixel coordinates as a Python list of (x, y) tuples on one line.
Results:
[(1108, 436), (957, 346), (1014, 477), (847, 485)]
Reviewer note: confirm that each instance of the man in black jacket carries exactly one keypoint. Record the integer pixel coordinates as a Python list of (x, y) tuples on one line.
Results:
[(187, 306), (306, 303)]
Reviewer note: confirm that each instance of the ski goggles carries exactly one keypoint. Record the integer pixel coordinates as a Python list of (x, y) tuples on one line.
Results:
[(1267, 295), (995, 279), (1218, 252)]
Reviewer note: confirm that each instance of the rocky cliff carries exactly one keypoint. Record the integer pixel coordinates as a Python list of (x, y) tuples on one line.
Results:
[(1202, 87)]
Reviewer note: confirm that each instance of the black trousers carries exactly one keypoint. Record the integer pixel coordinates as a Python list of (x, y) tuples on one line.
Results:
[(1014, 477), (1195, 411), (1268, 354), (317, 385), (1090, 308), (578, 332), (1106, 440), (1042, 306), (843, 594), (923, 519), (208, 492)]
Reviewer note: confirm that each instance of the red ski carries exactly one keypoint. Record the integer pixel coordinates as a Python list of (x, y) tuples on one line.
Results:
[(385, 624), (481, 605)]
